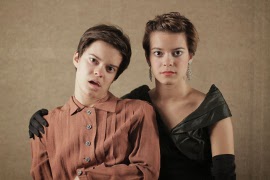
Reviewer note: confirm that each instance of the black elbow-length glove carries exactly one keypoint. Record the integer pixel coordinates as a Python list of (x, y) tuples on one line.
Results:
[(224, 167)]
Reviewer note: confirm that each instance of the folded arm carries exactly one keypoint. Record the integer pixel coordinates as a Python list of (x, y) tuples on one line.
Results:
[(144, 159)]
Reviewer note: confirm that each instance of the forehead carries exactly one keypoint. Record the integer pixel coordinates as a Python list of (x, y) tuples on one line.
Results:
[(160, 39), (104, 51)]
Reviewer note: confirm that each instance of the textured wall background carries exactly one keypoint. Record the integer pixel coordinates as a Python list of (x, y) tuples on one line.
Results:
[(38, 39)]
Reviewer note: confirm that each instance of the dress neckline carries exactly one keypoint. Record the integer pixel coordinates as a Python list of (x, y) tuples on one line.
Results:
[(212, 100), (193, 112), (212, 89)]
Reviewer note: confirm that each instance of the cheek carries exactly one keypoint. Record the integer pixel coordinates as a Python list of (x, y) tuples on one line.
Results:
[(108, 82), (155, 62), (182, 68), (109, 78), (86, 68), (182, 62), (83, 74)]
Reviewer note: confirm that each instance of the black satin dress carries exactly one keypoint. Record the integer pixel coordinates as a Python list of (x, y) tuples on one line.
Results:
[(186, 149)]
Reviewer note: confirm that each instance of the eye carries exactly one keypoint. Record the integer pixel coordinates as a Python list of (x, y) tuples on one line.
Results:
[(111, 69), (158, 53), (93, 60), (177, 53)]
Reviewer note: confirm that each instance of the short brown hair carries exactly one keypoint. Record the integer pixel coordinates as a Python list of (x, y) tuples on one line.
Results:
[(171, 22), (111, 35)]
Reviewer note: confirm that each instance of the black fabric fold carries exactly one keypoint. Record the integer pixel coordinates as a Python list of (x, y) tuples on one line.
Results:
[(212, 109), (189, 136)]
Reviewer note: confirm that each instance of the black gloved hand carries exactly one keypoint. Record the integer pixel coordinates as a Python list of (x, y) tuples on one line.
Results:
[(37, 122)]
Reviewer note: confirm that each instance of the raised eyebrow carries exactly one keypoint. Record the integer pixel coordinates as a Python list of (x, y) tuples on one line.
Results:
[(100, 59), (113, 66), (155, 48), (179, 48), (94, 56)]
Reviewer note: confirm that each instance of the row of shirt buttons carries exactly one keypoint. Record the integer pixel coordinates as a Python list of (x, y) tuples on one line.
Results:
[(88, 143)]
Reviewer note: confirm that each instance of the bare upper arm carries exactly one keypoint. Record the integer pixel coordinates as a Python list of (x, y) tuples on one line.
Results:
[(221, 136)]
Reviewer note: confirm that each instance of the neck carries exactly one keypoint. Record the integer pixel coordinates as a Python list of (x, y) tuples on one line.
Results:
[(173, 92), (89, 99)]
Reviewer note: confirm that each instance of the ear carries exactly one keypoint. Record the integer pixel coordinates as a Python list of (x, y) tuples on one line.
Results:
[(76, 59), (190, 58), (148, 62)]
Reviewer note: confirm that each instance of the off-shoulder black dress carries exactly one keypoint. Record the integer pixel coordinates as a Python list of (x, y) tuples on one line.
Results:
[(186, 149)]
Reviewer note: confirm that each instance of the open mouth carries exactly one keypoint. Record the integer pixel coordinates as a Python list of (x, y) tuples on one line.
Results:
[(95, 83)]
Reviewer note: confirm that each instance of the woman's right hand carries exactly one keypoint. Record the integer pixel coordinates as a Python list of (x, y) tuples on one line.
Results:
[(37, 122)]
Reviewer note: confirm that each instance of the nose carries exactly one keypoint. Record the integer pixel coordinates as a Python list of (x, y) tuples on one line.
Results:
[(168, 61), (98, 72)]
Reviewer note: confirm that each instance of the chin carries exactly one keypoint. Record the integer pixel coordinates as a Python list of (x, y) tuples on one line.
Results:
[(90, 91), (166, 82)]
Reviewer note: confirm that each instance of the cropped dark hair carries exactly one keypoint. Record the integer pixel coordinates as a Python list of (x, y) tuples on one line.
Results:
[(172, 22), (111, 35)]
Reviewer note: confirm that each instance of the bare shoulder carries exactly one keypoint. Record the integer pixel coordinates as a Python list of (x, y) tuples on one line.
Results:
[(198, 94)]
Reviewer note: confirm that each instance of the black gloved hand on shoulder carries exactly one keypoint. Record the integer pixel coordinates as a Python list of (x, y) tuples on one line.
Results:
[(37, 122)]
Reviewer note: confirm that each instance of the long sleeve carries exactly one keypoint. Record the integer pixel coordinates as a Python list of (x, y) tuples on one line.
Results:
[(144, 159), (40, 166), (145, 139)]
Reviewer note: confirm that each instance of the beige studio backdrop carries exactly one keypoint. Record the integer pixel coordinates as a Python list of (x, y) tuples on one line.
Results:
[(38, 39)]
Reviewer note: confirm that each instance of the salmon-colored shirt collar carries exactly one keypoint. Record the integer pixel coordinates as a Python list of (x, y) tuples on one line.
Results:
[(106, 104)]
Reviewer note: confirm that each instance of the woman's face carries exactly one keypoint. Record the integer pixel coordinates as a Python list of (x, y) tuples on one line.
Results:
[(96, 69), (169, 57)]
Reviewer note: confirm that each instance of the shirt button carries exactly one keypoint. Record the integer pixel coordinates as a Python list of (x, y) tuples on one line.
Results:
[(88, 127), (87, 143), (88, 112), (79, 172), (87, 159)]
